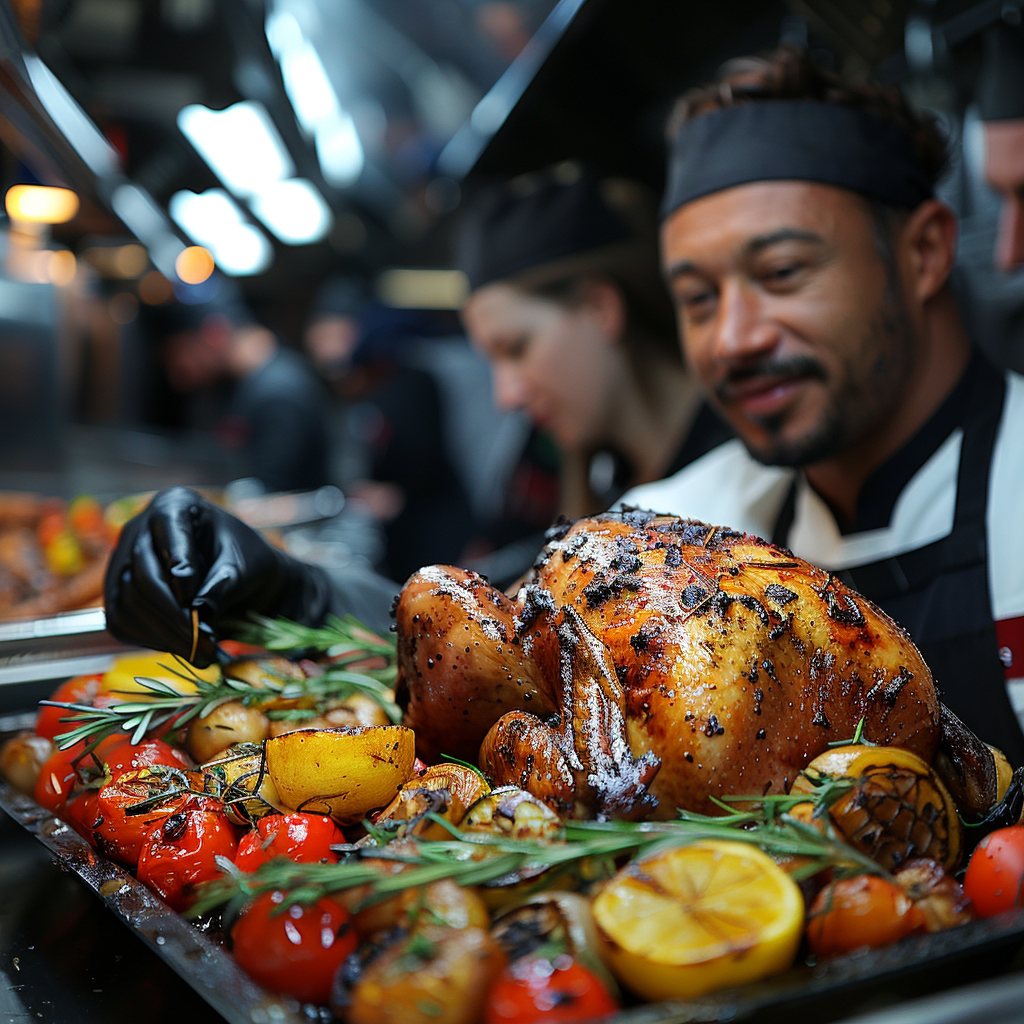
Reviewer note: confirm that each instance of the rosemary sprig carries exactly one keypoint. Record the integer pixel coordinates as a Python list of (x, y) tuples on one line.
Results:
[(479, 858), (858, 738), (165, 706), (345, 638)]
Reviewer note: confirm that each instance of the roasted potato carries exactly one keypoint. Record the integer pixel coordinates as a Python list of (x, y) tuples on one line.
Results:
[(343, 772), (21, 757), (437, 974), (226, 725)]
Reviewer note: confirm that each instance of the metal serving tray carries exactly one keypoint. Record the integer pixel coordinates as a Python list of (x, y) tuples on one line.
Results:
[(197, 958), (826, 992)]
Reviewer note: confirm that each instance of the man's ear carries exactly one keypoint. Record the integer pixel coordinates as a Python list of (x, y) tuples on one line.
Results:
[(929, 246), (608, 303)]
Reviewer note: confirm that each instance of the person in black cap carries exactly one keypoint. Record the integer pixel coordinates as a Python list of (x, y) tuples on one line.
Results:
[(567, 304), (1000, 101), (809, 263)]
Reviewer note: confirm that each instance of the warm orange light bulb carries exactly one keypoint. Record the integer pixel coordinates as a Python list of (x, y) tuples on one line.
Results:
[(194, 264), (41, 204)]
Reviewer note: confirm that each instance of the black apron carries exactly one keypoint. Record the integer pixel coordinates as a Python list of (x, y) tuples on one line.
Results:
[(940, 592)]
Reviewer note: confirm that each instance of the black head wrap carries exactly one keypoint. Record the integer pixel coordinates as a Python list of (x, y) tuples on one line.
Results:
[(1000, 89), (794, 140), (518, 226)]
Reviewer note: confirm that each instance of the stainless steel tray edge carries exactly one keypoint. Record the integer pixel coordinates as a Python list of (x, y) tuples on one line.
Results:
[(56, 646), (200, 961)]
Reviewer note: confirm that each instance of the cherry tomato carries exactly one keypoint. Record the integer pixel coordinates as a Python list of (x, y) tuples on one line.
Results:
[(536, 988), (178, 853), (58, 778), (82, 813), (85, 517), (49, 527), (80, 690), (120, 835), (121, 756), (296, 951), (238, 649), (862, 911), (304, 838), (995, 875), (65, 773)]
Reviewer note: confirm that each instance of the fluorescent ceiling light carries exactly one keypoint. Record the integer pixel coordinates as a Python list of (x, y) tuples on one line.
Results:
[(308, 87), (339, 150), (240, 144), (312, 96), (294, 210), (283, 32), (214, 220), (69, 117)]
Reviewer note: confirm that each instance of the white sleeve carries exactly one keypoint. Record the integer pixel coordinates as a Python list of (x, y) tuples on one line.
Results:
[(1005, 504), (725, 487)]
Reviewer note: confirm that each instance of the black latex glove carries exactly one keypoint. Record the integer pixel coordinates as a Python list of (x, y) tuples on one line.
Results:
[(182, 554)]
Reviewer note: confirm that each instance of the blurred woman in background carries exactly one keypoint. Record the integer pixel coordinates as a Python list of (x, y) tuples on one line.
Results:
[(566, 301)]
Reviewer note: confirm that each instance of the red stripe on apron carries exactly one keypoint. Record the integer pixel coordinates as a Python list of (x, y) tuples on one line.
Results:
[(1010, 633)]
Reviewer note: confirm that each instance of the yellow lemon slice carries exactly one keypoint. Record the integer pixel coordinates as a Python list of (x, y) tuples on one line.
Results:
[(697, 918), (120, 678)]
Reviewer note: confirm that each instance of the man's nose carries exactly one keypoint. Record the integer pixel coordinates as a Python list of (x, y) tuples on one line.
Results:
[(509, 387), (743, 332), (1010, 243)]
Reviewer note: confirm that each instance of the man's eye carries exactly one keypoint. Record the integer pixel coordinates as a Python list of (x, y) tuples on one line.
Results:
[(782, 273), (696, 304)]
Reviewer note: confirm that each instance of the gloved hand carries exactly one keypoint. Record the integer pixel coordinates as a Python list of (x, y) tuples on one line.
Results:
[(182, 555)]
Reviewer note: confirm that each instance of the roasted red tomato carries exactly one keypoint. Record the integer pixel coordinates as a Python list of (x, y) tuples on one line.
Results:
[(862, 911), (66, 772), (82, 813), (304, 838), (296, 951), (178, 853), (80, 690), (58, 778), (120, 834), (121, 756), (536, 988), (995, 874)]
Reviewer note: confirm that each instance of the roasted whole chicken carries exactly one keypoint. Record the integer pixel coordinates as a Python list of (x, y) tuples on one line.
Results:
[(652, 663)]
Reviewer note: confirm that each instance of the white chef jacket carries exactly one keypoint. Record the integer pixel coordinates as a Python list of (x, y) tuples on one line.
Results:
[(727, 487)]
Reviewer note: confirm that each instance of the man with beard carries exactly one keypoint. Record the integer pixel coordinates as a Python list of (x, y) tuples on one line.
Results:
[(809, 263)]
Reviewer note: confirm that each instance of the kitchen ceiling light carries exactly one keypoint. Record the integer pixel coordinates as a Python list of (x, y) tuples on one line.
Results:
[(339, 150), (212, 219), (240, 144), (294, 210), (40, 204)]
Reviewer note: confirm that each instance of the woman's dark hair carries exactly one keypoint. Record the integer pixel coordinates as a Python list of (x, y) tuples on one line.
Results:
[(789, 73), (631, 266)]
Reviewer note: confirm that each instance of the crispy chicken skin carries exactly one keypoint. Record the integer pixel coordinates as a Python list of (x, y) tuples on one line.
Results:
[(653, 663)]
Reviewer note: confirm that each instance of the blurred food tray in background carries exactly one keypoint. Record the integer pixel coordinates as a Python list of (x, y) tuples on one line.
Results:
[(53, 553)]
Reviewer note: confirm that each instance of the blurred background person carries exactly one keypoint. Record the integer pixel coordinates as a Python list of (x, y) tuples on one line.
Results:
[(568, 304), (260, 396), (1000, 101)]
